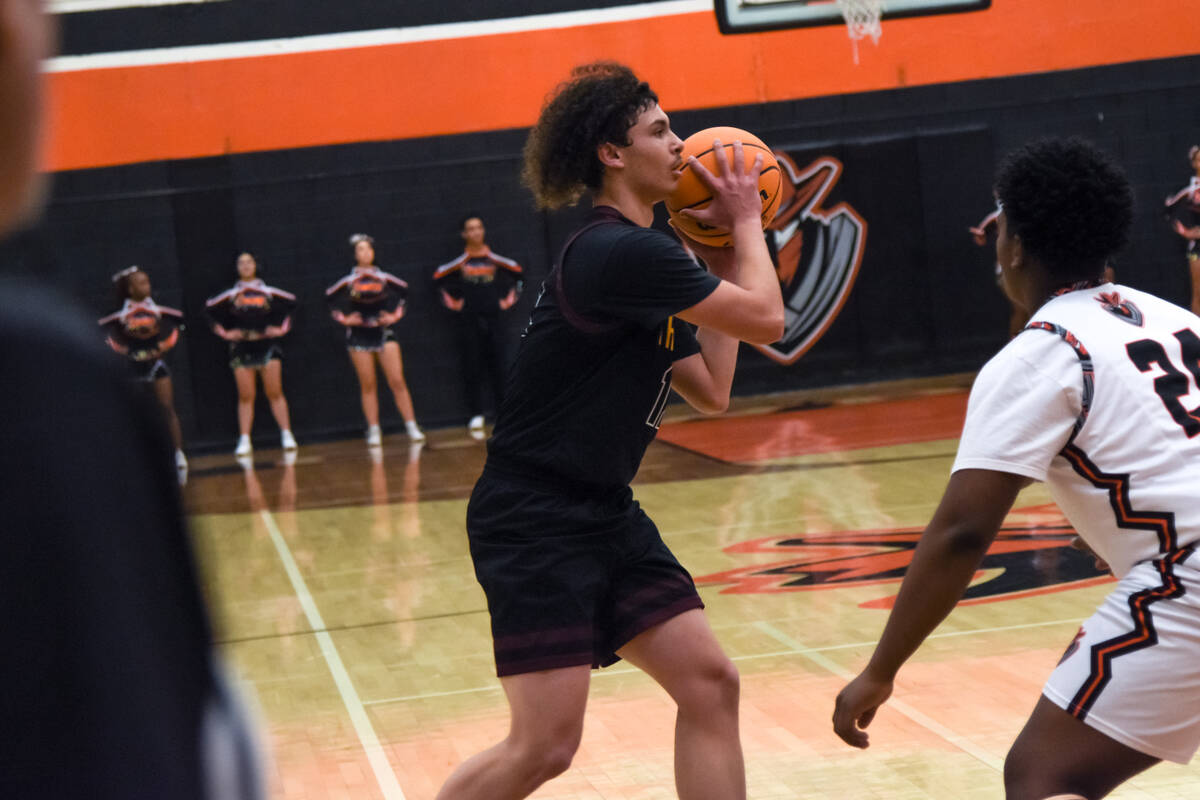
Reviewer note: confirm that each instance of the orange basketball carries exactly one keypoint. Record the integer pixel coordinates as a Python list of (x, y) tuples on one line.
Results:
[(691, 192)]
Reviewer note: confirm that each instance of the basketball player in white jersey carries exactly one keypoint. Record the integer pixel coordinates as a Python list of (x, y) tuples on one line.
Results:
[(1099, 398)]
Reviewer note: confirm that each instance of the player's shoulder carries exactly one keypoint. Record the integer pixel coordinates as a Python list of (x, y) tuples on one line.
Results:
[(503, 261), (34, 318), (1114, 308), (633, 242), (1042, 347), (221, 297), (393, 279), (341, 282), (277, 292), (445, 269)]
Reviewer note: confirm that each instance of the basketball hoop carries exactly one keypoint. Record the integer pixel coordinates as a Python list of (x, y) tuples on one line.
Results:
[(862, 20)]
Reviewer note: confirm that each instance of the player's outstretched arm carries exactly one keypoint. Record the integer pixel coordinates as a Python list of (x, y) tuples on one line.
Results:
[(960, 533), (748, 304)]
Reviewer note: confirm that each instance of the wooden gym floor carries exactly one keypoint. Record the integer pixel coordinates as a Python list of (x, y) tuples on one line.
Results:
[(344, 599)]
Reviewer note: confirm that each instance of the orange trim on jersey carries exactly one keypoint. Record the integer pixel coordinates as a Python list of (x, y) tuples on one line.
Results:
[(1143, 635), (1162, 523), (111, 116)]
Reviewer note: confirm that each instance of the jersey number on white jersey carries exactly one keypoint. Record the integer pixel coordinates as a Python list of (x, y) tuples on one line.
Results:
[(1172, 384)]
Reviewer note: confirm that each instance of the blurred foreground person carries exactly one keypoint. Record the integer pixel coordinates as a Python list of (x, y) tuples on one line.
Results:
[(110, 685)]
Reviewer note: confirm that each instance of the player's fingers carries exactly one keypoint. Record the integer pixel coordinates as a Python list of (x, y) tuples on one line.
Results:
[(844, 724), (851, 735), (865, 718), (721, 157), (698, 214), (755, 168), (739, 156), (702, 172)]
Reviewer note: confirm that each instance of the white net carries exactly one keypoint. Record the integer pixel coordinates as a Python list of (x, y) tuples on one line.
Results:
[(862, 20)]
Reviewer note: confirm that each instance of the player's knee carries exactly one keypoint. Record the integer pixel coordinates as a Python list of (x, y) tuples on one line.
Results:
[(1026, 778), (557, 759), (548, 756), (715, 687), (1016, 770)]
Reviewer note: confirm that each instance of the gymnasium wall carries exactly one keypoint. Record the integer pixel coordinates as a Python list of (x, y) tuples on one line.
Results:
[(177, 166)]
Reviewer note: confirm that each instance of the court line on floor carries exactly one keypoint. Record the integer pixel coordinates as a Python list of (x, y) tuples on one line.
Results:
[(384, 774), (929, 724), (791, 651)]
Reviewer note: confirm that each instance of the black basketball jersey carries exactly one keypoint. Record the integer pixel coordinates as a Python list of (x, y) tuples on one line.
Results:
[(593, 374)]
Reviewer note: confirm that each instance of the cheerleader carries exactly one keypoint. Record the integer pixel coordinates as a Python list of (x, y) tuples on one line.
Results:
[(253, 317), (143, 332), (367, 303), (1184, 210)]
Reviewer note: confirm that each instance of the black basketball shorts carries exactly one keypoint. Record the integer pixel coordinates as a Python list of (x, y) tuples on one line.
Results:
[(570, 577)]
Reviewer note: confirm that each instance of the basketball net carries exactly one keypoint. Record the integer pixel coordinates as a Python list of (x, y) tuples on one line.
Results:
[(862, 20)]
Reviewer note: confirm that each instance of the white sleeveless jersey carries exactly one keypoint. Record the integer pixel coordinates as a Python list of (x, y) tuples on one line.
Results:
[(1100, 398)]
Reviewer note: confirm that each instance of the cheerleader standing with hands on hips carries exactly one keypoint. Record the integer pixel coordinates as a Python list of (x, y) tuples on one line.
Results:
[(367, 303), (253, 317)]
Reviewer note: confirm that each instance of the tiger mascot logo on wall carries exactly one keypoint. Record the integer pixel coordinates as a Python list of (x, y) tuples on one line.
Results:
[(817, 253)]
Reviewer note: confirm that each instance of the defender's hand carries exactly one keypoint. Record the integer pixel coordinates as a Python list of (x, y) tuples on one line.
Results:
[(856, 706)]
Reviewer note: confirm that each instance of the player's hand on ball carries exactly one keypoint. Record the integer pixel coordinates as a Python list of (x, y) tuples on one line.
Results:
[(735, 192), (721, 261), (856, 706)]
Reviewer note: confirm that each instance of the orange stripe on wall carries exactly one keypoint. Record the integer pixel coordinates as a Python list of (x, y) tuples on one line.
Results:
[(104, 117)]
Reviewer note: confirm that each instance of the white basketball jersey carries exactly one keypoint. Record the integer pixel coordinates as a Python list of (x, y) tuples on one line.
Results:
[(1126, 470)]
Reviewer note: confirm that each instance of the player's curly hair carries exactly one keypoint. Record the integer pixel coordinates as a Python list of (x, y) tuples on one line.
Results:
[(599, 103), (1069, 203), (1192, 153)]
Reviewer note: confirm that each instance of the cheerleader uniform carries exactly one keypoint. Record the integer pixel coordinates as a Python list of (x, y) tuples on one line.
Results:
[(1184, 208), (143, 331), (252, 306), (369, 291)]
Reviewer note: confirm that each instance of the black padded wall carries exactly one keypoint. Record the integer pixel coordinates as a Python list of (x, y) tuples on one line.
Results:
[(918, 166)]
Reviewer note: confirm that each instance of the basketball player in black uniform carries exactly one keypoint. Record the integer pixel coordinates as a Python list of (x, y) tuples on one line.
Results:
[(111, 690), (253, 317), (1184, 210), (575, 573), (477, 286)]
